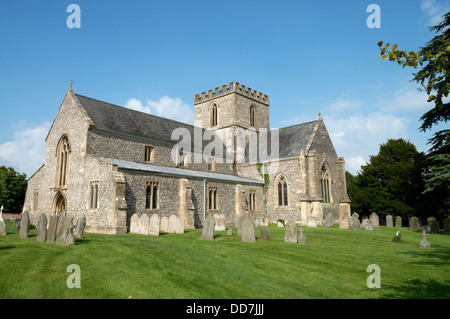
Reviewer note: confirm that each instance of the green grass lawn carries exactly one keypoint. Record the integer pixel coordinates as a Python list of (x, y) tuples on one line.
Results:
[(332, 264)]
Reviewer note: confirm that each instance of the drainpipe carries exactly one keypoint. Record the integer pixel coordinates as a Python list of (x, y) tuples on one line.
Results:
[(204, 199)]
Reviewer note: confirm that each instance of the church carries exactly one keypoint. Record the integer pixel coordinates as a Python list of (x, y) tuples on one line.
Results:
[(108, 162)]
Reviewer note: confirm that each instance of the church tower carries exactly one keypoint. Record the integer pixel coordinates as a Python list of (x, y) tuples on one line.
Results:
[(234, 112)]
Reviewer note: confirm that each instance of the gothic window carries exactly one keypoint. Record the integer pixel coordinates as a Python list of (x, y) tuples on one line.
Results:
[(213, 115), (151, 195), (282, 191), (252, 200), (93, 195), (35, 200), (149, 154), (252, 116), (62, 165), (213, 198), (325, 183)]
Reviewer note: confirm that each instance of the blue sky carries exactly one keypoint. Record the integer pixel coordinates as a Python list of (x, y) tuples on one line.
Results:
[(308, 56)]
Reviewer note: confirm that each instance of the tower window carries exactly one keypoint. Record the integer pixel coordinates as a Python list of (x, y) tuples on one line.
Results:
[(213, 115), (252, 116), (149, 154)]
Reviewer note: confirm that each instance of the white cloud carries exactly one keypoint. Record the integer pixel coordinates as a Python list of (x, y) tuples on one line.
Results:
[(406, 99), (353, 164), (171, 108), (343, 105), (434, 11), (26, 152)]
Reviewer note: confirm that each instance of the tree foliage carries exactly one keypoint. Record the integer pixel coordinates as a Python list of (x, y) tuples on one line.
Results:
[(13, 186)]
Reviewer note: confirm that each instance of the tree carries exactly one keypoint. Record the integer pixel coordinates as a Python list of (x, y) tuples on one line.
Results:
[(13, 186), (390, 183)]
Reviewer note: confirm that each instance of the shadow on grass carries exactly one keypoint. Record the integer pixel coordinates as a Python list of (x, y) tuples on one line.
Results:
[(7, 247), (418, 289), (433, 257)]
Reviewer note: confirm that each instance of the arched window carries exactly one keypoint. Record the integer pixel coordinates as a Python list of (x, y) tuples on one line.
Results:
[(282, 191), (62, 165), (151, 195), (252, 116), (325, 183), (213, 115)]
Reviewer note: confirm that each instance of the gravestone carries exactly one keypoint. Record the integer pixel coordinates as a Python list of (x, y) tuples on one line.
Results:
[(447, 226), (229, 232), (355, 221), (364, 223), (208, 227), (301, 238), (79, 227), (343, 223), (3, 230), (434, 225), (264, 232), (24, 225), (248, 230), (368, 226), (264, 221), (153, 229), (311, 222), (398, 221), (329, 220), (179, 227), (389, 222), (41, 228), (424, 242), (52, 226), (239, 220), (414, 223), (427, 228), (164, 227), (219, 222), (171, 229), (374, 221), (279, 224), (290, 232), (64, 233), (134, 224), (1, 214)]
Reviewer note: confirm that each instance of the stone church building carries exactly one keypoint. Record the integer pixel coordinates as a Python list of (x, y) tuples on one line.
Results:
[(109, 162)]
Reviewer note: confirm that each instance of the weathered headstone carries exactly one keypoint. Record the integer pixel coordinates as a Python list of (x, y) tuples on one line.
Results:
[(424, 242), (64, 231), (355, 222), (3, 230), (52, 226), (248, 230), (264, 232), (164, 227), (41, 228), (239, 220), (219, 222), (301, 238), (144, 222), (208, 227), (434, 225), (364, 223), (134, 224), (343, 223), (389, 222), (24, 225), (398, 221), (329, 220), (171, 229), (414, 223), (229, 232), (290, 232), (179, 227), (79, 227), (311, 222), (368, 226), (153, 229), (447, 226), (374, 221)]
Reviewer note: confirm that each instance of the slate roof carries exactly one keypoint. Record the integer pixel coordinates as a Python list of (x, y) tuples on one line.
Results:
[(181, 172)]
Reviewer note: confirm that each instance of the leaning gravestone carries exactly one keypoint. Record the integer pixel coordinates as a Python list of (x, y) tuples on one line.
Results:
[(24, 225), (414, 223), (389, 222), (398, 221), (153, 229), (219, 222), (301, 238), (208, 228), (3, 230), (447, 226), (329, 220), (64, 231), (374, 221), (290, 232), (52, 226), (434, 225), (424, 242), (164, 227), (264, 232), (79, 227), (41, 228), (248, 230)]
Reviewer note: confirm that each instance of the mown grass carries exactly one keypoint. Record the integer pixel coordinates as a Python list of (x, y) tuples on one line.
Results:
[(332, 264)]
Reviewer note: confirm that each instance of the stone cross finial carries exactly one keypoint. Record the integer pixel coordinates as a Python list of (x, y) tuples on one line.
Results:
[(320, 115), (70, 83)]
